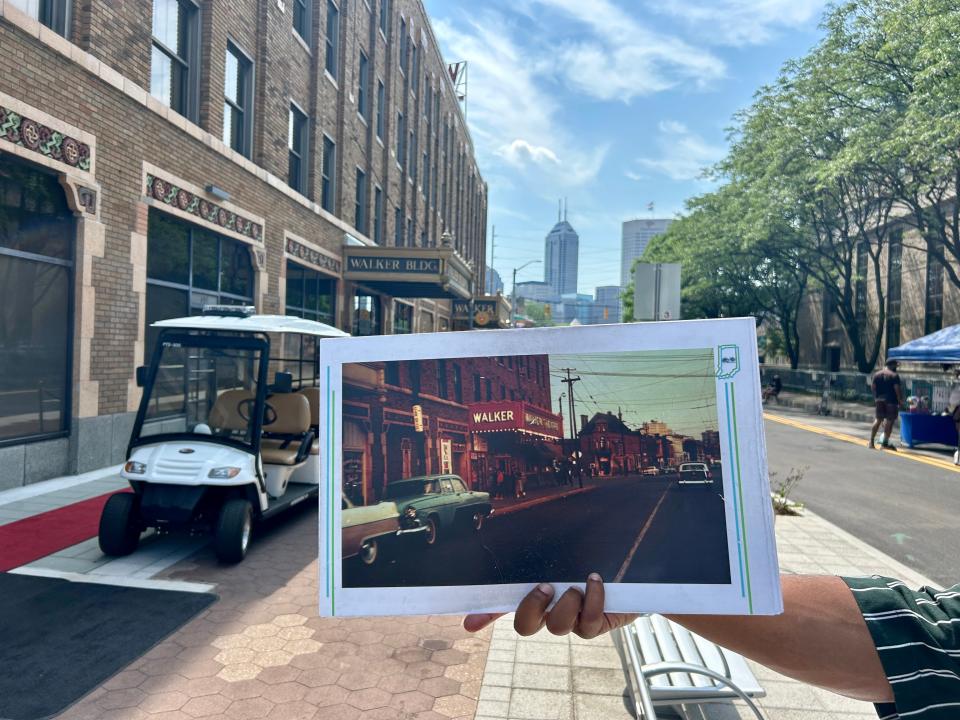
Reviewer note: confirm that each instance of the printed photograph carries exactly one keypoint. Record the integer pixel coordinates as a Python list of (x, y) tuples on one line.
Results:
[(486, 470)]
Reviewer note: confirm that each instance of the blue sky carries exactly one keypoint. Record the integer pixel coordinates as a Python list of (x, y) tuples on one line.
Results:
[(611, 103)]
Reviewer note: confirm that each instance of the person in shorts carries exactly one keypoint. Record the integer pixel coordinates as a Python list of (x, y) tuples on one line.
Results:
[(888, 397)]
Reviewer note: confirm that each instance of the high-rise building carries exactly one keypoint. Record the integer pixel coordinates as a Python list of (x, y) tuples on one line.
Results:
[(608, 304), (637, 234), (562, 256), (537, 291), (494, 283)]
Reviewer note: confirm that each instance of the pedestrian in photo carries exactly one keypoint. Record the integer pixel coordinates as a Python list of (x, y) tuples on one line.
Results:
[(498, 490), (773, 389), (888, 398), (520, 490), (512, 480)]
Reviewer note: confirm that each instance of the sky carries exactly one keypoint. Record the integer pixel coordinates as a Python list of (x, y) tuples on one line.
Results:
[(613, 104), (677, 387)]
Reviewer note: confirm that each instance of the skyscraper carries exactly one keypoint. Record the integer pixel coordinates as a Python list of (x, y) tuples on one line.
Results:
[(562, 256), (637, 234)]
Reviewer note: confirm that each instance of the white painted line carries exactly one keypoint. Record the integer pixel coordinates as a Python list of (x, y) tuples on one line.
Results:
[(49, 486), (141, 583), (152, 559), (643, 534)]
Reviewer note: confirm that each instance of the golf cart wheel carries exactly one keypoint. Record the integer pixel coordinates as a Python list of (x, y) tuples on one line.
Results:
[(432, 533), (369, 552), (119, 532), (234, 528), (477, 520)]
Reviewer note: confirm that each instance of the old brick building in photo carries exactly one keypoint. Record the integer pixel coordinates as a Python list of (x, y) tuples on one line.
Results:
[(468, 416), (307, 157)]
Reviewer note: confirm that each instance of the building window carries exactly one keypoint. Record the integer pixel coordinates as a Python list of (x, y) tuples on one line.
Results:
[(426, 176), (381, 101), (426, 322), (442, 390), (934, 315), (366, 315), (477, 388), (298, 150), (190, 267), (378, 216), (238, 101), (398, 228), (55, 14), (36, 325), (404, 46), (310, 294), (360, 213), (401, 141), (391, 373), (402, 318), (333, 39), (173, 66), (894, 289), (301, 19), (328, 168), (489, 384), (363, 91), (384, 16), (457, 384), (414, 152), (415, 79), (411, 238)]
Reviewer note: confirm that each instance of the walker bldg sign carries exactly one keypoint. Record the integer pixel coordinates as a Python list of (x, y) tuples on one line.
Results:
[(439, 273)]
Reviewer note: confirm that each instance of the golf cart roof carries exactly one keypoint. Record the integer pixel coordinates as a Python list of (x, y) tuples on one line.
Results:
[(281, 324)]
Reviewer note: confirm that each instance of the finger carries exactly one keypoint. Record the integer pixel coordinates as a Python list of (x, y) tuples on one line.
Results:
[(475, 623), (591, 614), (531, 610), (562, 619)]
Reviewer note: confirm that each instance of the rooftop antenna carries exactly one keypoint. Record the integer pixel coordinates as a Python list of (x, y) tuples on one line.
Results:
[(566, 202), (559, 210)]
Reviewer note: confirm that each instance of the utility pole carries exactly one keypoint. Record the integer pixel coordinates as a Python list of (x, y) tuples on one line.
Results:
[(569, 381)]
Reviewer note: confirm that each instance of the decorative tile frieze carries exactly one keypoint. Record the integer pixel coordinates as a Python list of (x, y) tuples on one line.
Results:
[(170, 194), (314, 257), (43, 140)]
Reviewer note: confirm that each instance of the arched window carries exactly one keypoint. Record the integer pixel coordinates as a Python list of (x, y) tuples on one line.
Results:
[(37, 233)]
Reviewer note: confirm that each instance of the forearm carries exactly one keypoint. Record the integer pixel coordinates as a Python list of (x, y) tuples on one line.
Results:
[(820, 639)]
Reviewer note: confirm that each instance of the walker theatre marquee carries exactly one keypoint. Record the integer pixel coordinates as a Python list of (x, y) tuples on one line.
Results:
[(516, 417), (438, 273)]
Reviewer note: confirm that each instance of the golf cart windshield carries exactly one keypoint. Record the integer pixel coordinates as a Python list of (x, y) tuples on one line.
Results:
[(203, 386)]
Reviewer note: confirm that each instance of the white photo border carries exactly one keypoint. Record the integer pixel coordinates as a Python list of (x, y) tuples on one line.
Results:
[(754, 588)]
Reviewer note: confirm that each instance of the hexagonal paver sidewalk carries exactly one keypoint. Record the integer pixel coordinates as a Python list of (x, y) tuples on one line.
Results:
[(262, 652)]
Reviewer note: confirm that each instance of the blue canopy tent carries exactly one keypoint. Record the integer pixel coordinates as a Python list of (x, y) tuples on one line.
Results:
[(942, 347)]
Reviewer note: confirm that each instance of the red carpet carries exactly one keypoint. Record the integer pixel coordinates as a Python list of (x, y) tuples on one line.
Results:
[(32, 538)]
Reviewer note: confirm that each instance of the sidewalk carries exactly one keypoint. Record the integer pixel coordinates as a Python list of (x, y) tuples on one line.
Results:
[(261, 650), (539, 495), (811, 404)]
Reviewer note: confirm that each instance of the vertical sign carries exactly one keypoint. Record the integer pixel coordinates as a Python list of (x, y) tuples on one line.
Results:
[(418, 418), (446, 456)]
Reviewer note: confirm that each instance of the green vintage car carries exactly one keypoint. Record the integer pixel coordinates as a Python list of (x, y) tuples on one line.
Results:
[(434, 505)]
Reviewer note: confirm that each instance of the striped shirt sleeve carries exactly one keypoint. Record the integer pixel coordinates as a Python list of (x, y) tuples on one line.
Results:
[(917, 636)]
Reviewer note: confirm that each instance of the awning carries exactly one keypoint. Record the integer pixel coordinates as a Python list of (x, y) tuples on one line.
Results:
[(490, 312), (518, 417), (437, 273), (940, 347)]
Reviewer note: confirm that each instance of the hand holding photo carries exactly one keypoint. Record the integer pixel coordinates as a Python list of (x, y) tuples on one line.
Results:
[(455, 481)]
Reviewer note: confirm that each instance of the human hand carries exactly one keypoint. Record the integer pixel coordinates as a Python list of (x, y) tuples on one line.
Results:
[(576, 612)]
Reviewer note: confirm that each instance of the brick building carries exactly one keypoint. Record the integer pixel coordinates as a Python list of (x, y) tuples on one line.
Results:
[(609, 447), (308, 157), (468, 416)]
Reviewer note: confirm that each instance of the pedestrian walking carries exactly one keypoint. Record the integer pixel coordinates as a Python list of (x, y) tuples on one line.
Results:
[(520, 491), (512, 481), (888, 397), (498, 490), (954, 407)]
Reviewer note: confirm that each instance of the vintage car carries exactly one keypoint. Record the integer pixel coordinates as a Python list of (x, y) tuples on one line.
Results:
[(434, 505), (367, 528), (694, 474)]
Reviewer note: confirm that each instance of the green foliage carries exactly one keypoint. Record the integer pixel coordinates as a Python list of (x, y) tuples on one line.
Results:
[(782, 504), (538, 313)]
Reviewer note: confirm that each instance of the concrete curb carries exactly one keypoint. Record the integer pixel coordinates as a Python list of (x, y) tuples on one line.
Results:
[(499, 512)]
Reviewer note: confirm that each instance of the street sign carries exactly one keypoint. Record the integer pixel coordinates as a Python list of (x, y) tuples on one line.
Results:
[(656, 292)]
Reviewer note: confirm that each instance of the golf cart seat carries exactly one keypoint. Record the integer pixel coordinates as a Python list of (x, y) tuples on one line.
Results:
[(312, 394), (225, 414), (283, 441)]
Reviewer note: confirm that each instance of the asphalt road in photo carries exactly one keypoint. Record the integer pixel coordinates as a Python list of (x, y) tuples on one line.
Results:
[(905, 505), (633, 529)]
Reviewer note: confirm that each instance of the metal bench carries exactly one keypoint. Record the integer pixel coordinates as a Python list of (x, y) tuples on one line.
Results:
[(668, 665)]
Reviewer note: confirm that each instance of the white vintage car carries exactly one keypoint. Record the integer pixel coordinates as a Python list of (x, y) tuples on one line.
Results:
[(367, 528)]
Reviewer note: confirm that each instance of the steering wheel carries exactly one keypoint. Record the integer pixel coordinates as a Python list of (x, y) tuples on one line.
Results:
[(245, 409)]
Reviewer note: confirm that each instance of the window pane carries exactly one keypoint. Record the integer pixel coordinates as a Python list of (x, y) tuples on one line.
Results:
[(205, 260), (236, 273), (163, 303), (168, 255), (333, 37), (34, 216), (366, 320), (34, 331), (294, 286), (231, 82), (166, 23), (310, 294), (161, 76), (328, 291), (228, 128), (301, 18)]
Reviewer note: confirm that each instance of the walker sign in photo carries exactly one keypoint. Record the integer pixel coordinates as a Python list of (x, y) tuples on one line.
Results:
[(459, 470)]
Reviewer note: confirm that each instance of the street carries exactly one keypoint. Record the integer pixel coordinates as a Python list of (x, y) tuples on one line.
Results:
[(900, 506), (632, 529)]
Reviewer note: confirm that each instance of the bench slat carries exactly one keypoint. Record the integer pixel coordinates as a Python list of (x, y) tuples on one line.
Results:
[(669, 649), (692, 655), (649, 649)]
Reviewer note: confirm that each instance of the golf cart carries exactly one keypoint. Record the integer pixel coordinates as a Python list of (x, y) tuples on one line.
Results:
[(215, 447)]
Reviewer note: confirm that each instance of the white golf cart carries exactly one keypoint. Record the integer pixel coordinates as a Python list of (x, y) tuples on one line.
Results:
[(214, 445)]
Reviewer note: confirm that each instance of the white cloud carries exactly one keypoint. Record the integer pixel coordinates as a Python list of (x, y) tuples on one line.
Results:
[(513, 117), (684, 155), (741, 22), (621, 59)]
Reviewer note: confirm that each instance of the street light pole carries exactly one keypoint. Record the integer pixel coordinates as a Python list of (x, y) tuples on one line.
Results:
[(513, 295)]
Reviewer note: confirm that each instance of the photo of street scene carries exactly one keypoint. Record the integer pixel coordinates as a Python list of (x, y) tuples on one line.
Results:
[(492, 470)]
